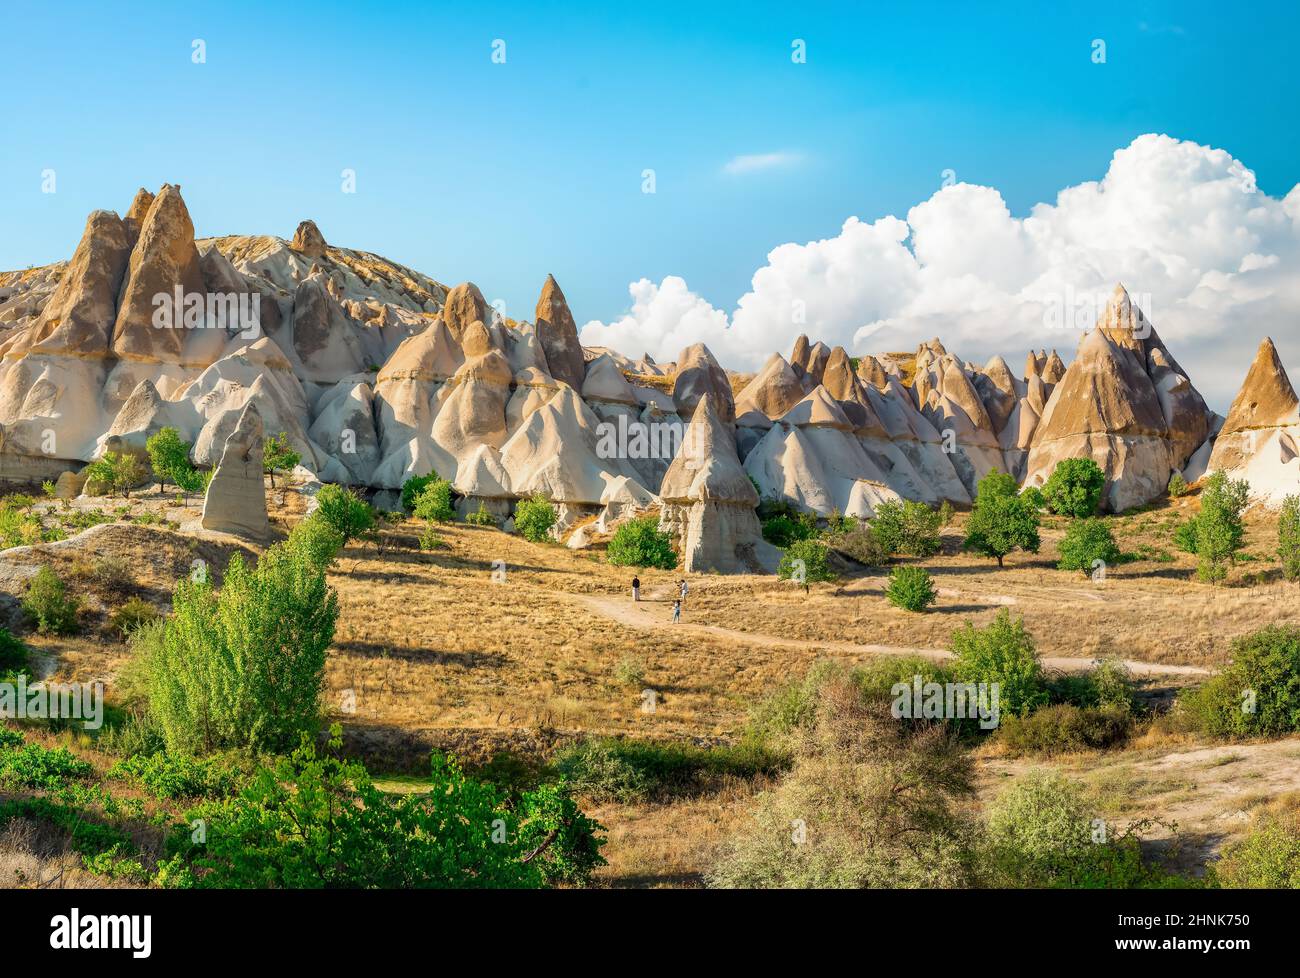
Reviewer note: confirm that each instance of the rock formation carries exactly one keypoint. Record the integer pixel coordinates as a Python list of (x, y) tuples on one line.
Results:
[(236, 500), (558, 334)]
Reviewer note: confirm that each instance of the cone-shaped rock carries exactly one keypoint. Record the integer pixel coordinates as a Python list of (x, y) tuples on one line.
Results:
[(465, 304), (308, 241), (235, 500), (699, 375), (559, 335)]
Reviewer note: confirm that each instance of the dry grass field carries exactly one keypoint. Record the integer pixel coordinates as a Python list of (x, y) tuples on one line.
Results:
[(489, 643)]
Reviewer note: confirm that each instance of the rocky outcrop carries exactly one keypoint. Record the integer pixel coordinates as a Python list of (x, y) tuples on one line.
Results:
[(708, 500), (465, 305), (308, 241), (236, 500), (700, 376), (1260, 438), (558, 334)]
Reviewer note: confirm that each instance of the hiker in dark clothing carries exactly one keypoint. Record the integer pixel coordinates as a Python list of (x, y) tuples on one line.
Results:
[(636, 589)]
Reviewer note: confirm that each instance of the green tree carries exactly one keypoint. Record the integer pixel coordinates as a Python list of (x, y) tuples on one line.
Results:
[(433, 503), (412, 488), (193, 482), (907, 527), (278, 456), (1257, 694), (47, 603), (1087, 541), (116, 472), (534, 518), (804, 562), (243, 666), (169, 455), (1177, 486), (1002, 653), (1288, 537), (1074, 488), (639, 543), (345, 511), (1219, 529), (911, 588), (1000, 521)]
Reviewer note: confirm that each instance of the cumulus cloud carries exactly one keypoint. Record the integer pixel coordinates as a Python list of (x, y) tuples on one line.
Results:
[(1211, 259), (752, 162)]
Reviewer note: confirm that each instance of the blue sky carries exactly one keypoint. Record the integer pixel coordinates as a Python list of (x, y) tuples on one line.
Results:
[(501, 173)]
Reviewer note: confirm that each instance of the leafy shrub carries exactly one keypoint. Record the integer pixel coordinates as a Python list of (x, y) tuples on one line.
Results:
[(114, 472), (1177, 486), (34, 766), (134, 614), (1185, 536), (1001, 653), (316, 541), (1256, 695), (434, 502), (1074, 488), (243, 666), (1288, 538), (13, 654), (412, 488), (805, 562), (430, 539), (47, 604), (876, 803), (598, 770), (911, 589), (639, 543), (1087, 541), (1001, 521), (166, 776), (630, 671), (908, 527), (345, 511), (278, 456), (1219, 530), (534, 518), (858, 544), (481, 516), (193, 481), (1064, 728), (1267, 857), (314, 822), (784, 529), (18, 528), (1114, 685)]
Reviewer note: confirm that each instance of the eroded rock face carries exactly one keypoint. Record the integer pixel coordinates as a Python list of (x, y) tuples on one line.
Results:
[(308, 241), (1260, 438), (465, 304), (558, 334), (236, 500), (708, 499), (698, 376)]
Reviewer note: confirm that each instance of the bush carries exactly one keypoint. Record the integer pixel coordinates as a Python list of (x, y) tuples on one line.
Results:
[(911, 589), (783, 529), (319, 822), (412, 488), (429, 539), (1257, 694), (166, 776), (1087, 541), (434, 502), (609, 769), (48, 605), (316, 542), (18, 528), (114, 472), (1041, 819), (34, 766), (481, 516), (805, 562), (534, 518), (630, 671), (1219, 530), (1185, 536), (243, 666), (134, 614), (1001, 653), (1064, 728), (1000, 521), (908, 527), (1074, 488), (639, 543), (1268, 857), (13, 654), (1113, 685), (277, 456), (858, 544), (1177, 486), (1288, 538), (349, 514), (871, 802)]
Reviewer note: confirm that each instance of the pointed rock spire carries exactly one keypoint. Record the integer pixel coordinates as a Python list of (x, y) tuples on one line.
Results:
[(558, 334)]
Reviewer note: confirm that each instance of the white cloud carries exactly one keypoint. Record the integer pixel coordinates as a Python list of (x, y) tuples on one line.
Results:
[(753, 162), (1214, 262)]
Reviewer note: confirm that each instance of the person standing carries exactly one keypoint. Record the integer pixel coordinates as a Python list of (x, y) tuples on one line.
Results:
[(636, 589), (683, 591), (677, 610)]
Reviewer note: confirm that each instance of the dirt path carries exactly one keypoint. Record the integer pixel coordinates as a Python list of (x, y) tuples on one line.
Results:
[(654, 611)]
